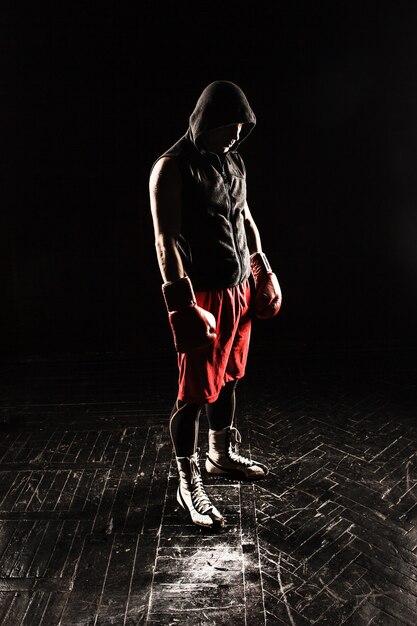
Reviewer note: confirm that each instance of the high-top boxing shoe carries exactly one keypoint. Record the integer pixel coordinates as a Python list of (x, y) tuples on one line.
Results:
[(191, 494), (223, 457)]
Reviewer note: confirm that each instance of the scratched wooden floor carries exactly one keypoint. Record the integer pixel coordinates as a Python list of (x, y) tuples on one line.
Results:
[(90, 532)]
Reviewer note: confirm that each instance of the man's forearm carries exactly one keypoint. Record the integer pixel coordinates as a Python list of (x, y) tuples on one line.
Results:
[(253, 238), (169, 260)]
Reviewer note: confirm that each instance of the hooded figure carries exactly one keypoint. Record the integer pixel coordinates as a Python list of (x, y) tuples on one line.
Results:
[(216, 277), (212, 240), (221, 103)]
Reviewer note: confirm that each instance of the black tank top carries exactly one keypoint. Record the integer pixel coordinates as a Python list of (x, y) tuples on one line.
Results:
[(212, 240)]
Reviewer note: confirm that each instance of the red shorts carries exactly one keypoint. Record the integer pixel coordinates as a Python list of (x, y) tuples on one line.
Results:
[(203, 373)]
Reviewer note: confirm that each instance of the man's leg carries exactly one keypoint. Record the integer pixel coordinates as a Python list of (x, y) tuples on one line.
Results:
[(183, 426), (223, 457), (222, 412)]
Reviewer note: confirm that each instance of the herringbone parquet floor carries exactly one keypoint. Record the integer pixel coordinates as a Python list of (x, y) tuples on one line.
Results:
[(91, 534)]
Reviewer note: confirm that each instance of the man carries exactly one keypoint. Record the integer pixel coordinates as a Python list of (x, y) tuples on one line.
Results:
[(215, 278)]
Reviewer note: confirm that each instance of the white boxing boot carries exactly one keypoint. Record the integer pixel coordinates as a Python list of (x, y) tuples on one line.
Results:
[(223, 457), (192, 496)]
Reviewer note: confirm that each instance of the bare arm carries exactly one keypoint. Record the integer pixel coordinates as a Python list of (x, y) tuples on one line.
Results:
[(165, 199), (252, 232), (268, 291)]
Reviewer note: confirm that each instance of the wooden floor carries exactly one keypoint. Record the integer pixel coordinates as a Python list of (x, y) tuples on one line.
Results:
[(91, 534)]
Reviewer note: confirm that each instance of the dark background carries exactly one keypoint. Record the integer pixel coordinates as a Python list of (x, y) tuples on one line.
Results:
[(92, 92)]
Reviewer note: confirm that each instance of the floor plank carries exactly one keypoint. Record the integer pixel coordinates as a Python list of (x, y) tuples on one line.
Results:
[(91, 532)]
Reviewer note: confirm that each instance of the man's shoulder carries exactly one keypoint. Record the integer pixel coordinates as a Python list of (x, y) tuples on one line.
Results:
[(179, 149)]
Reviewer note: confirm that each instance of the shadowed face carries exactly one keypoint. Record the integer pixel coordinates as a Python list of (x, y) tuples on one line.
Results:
[(220, 140)]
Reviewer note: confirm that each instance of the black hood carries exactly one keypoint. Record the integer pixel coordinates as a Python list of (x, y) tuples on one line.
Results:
[(221, 103)]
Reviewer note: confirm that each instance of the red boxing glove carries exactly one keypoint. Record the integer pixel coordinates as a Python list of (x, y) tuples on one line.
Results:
[(268, 297), (192, 326)]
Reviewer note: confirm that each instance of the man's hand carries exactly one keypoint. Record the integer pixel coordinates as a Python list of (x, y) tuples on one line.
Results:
[(268, 297), (192, 327)]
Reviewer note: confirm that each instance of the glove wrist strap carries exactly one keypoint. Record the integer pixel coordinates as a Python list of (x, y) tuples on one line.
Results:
[(259, 262), (178, 294)]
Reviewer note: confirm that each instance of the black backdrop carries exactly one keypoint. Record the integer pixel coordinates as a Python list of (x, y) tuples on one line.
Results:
[(93, 91)]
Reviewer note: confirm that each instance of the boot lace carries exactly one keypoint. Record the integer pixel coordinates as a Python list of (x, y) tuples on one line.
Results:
[(200, 499), (233, 448)]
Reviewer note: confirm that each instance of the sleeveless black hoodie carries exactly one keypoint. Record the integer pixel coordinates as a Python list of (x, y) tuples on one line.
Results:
[(212, 240)]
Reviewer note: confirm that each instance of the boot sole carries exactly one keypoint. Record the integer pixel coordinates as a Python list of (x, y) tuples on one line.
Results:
[(216, 470)]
